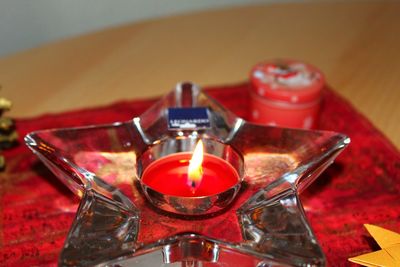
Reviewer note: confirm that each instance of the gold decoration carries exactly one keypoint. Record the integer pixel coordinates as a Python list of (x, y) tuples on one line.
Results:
[(388, 256), (8, 135), (5, 104)]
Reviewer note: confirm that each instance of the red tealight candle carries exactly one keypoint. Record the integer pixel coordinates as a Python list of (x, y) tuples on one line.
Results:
[(189, 174)]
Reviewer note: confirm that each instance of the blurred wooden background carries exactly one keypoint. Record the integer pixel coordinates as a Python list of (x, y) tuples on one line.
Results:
[(356, 45)]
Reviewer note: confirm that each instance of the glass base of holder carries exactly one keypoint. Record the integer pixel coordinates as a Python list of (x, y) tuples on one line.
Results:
[(115, 225)]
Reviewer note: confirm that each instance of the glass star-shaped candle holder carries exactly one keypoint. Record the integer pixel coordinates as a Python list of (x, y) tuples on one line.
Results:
[(120, 223)]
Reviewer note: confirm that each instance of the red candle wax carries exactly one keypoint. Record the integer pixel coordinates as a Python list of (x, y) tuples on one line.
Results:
[(169, 176)]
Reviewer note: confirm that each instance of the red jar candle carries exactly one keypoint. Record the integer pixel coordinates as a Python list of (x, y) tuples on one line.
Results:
[(286, 93)]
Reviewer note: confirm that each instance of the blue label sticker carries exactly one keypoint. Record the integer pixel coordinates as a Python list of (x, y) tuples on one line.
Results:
[(188, 118)]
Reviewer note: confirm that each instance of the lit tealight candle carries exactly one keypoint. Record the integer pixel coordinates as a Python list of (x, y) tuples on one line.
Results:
[(187, 174)]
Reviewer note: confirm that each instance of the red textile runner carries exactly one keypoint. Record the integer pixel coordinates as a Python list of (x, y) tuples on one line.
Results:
[(363, 186)]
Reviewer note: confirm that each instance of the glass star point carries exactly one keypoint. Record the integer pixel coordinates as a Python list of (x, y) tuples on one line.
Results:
[(115, 225)]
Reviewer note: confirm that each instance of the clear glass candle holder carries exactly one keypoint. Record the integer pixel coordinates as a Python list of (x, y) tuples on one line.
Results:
[(123, 223)]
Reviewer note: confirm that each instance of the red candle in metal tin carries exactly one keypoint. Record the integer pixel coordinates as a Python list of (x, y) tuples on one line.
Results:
[(286, 93), (189, 174)]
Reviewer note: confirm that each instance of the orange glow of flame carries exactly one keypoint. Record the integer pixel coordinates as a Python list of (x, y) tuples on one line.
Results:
[(195, 170)]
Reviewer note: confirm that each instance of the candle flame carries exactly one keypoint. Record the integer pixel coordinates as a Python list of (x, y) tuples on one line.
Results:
[(195, 170)]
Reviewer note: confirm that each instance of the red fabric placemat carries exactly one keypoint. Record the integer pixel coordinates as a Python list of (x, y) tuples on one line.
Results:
[(362, 186)]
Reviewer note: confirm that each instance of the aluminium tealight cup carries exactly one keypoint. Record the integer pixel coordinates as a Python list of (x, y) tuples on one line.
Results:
[(197, 205)]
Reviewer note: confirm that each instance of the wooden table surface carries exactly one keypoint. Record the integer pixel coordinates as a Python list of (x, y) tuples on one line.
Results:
[(356, 45)]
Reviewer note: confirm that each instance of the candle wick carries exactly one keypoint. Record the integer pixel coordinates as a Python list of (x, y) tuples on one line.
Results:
[(193, 187)]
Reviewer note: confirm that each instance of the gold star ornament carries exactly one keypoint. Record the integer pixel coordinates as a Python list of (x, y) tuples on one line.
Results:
[(388, 256)]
